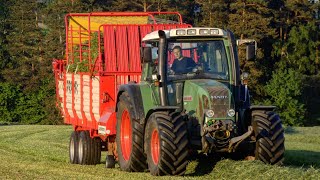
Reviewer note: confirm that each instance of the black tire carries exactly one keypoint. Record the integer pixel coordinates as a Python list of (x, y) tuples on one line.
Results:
[(110, 161), (96, 153), (169, 155), (73, 147), (85, 148), (129, 138), (269, 135)]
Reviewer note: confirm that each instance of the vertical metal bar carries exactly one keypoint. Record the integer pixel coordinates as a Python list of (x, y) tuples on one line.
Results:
[(163, 91), (134, 48), (66, 19), (67, 116), (84, 118), (144, 30), (80, 45), (109, 48), (122, 52), (99, 50), (75, 115), (89, 36), (158, 27), (71, 42)]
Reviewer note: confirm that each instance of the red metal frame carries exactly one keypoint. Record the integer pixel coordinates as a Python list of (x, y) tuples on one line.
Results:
[(118, 63)]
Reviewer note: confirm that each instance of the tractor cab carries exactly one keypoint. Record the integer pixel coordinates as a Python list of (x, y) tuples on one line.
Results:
[(188, 56), (195, 70)]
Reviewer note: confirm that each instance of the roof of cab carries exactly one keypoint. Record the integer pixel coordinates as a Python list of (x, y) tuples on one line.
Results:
[(183, 32)]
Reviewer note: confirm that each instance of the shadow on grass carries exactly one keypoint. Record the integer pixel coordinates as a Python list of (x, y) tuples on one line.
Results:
[(290, 130), (8, 123), (302, 158), (205, 164)]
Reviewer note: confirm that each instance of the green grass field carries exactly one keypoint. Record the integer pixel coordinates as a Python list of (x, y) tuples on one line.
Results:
[(41, 152)]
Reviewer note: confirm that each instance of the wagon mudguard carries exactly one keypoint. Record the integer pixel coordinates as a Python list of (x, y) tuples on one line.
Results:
[(134, 93)]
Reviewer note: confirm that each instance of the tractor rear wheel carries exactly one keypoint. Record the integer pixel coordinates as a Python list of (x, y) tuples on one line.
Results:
[(166, 144), (73, 147), (269, 135), (129, 137)]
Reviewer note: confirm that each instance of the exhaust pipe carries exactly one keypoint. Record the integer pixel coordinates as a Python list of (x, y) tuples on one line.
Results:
[(162, 66)]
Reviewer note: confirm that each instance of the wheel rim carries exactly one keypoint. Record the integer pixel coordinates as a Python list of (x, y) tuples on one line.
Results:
[(125, 135), (72, 149), (80, 148), (155, 146)]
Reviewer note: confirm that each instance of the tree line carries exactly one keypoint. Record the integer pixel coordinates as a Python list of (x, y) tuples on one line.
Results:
[(285, 72)]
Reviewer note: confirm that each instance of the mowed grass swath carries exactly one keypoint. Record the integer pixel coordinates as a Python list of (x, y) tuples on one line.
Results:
[(41, 152)]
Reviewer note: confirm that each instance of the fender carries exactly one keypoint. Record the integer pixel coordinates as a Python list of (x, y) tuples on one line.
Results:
[(269, 108), (160, 108), (134, 92)]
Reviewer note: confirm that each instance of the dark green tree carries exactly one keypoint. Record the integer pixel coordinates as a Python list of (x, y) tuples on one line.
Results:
[(213, 13), (53, 47), (285, 89), (300, 50), (9, 97), (297, 48), (185, 8), (31, 45), (135, 5), (3, 31), (253, 19), (23, 44)]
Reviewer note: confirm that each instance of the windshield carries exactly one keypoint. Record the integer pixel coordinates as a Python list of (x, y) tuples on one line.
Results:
[(194, 60)]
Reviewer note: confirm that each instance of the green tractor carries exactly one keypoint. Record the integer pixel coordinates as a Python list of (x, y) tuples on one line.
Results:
[(170, 114)]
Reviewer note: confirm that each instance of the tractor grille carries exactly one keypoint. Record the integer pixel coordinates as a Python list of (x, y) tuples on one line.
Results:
[(220, 101)]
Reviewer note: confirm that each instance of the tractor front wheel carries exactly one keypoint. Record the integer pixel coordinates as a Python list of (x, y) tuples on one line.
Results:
[(166, 144), (129, 137), (269, 135)]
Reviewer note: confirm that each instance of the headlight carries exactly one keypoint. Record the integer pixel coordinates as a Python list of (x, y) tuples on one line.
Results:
[(214, 31), (191, 32), (231, 112), (181, 32), (204, 32), (210, 113)]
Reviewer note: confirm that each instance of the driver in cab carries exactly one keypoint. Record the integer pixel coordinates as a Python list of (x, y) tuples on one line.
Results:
[(181, 64)]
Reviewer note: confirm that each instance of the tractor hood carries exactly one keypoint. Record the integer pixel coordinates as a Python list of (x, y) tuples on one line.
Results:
[(207, 95)]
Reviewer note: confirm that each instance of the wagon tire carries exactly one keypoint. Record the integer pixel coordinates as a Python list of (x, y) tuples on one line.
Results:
[(96, 152), (85, 148), (110, 161), (73, 147)]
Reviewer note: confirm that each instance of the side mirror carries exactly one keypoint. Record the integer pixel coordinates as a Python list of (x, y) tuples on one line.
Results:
[(251, 48), (146, 53), (250, 52)]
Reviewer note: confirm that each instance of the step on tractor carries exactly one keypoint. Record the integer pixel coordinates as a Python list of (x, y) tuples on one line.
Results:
[(153, 91)]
